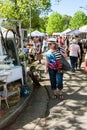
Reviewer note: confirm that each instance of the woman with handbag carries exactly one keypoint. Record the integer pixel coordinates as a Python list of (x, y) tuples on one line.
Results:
[(54, 67)]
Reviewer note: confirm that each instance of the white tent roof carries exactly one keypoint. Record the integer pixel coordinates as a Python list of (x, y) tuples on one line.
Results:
[(66, 31), (36, 33), (56, 33), (83, 28), (73, 32)]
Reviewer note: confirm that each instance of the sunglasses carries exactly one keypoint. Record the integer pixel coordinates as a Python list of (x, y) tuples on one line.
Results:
[(50, 44)]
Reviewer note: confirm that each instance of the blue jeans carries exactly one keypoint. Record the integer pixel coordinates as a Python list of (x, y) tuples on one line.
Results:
[(52, 75), (73, 61), (59, 80)]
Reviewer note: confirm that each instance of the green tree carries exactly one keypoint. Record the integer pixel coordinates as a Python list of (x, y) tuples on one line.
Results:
[(55, 23), (66, 19), (20, 10), (79, 19)]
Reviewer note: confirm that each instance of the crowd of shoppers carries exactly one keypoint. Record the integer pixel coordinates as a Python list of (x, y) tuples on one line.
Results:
[(55, 48)]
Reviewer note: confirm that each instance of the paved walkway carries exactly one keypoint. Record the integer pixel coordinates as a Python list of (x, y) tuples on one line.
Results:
[(43, 113)]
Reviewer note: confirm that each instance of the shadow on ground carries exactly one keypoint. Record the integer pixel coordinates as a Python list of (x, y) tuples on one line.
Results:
[(44, 113)]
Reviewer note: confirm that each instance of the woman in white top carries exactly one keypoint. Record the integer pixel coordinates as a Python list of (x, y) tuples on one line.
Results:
[(74, 51)]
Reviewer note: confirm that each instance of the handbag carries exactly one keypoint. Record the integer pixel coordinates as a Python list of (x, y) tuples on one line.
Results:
[(66, 65)]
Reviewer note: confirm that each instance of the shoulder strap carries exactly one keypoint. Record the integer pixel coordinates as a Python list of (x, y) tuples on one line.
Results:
[(58, 48)]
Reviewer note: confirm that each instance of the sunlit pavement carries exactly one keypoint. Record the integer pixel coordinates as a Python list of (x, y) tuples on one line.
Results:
[(44, 113)]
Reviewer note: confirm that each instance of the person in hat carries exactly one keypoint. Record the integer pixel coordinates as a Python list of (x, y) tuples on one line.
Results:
[(54, 67), (74, 51)]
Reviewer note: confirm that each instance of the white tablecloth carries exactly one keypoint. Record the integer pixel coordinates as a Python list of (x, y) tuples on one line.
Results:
[(15, 73)]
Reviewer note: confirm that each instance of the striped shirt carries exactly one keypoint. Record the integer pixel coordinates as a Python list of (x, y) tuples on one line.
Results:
[(57, 53), (54, 58)]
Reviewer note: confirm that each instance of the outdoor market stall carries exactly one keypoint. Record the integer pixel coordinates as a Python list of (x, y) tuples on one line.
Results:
[(36, 33), (10, 68), (83, 32), (74, 32)]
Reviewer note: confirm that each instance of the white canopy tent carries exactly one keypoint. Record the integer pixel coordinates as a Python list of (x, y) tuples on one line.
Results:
[(66, 31), (36, 33), (83, 29), (73, 32), (56, 33)]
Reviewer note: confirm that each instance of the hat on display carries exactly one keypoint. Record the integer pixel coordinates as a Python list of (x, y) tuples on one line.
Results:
[(52, 40)]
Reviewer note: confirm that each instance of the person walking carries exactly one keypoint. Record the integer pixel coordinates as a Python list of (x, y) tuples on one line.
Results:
[(44, 44), (67, 43), (54, 67), (79, 62), (74, 51), (38, 49)]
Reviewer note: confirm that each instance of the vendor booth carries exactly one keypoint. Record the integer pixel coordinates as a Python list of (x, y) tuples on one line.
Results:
[(83, 32), (10, 68), (36, 33), (65, 32), (74, 32)]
